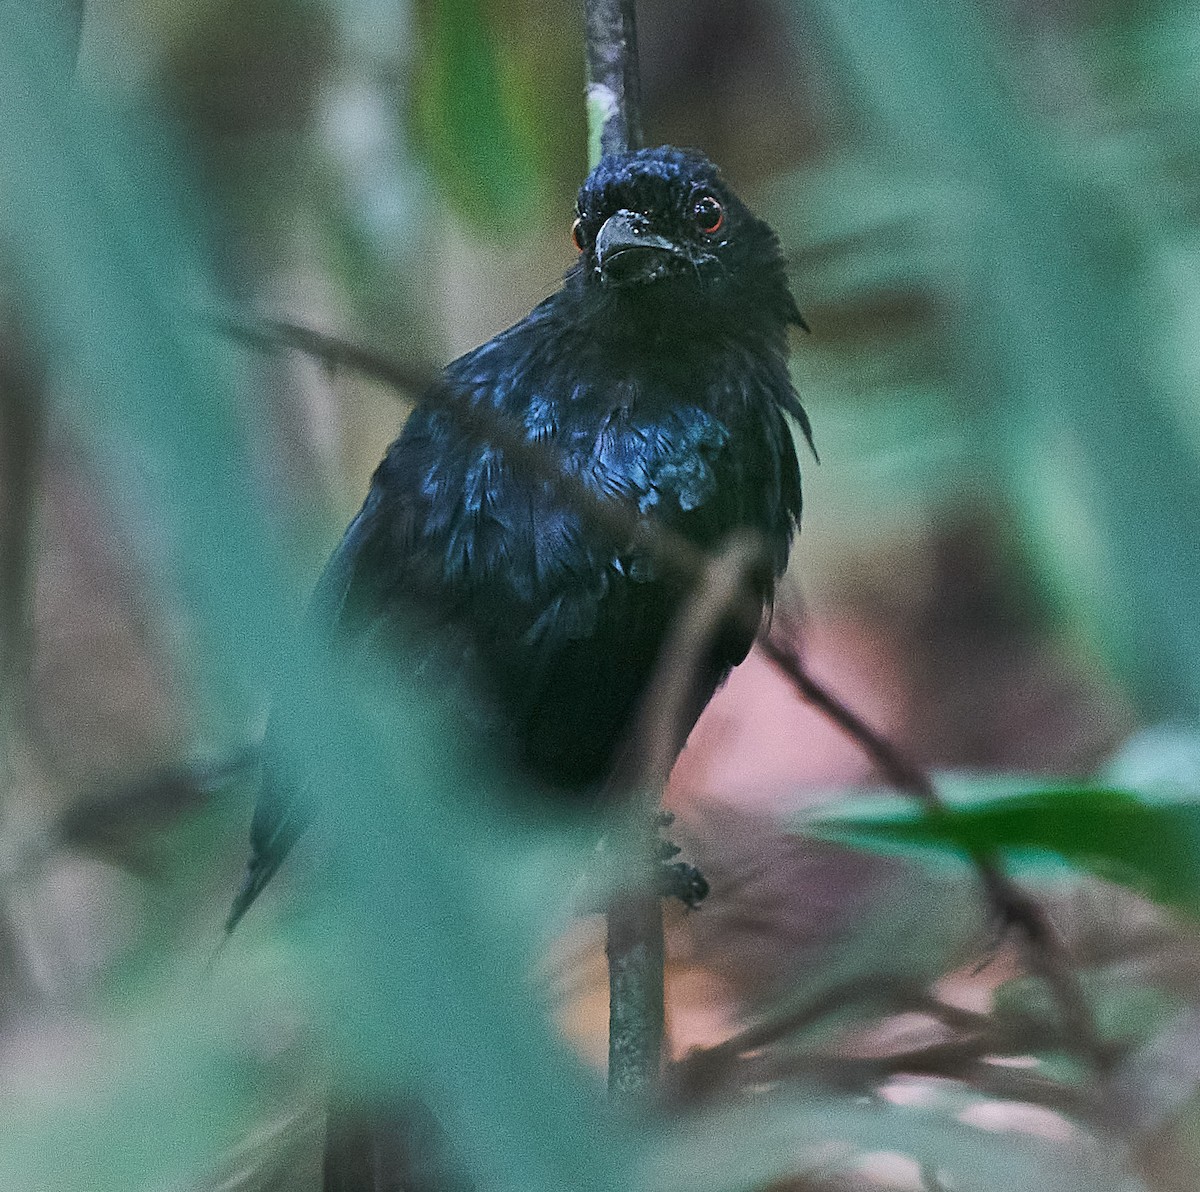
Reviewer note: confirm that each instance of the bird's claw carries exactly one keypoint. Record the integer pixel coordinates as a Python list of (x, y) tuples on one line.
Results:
[(678, 879), (665, 850)]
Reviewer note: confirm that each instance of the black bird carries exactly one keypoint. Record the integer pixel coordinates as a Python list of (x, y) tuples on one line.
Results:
[(658, 376)]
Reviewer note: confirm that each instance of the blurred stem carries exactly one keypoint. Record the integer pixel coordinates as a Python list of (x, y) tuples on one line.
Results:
[(614, 105), (635, 927), (22, 435), (22, 438)]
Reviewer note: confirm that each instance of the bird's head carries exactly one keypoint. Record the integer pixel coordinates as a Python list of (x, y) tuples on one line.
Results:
[(661, 235)]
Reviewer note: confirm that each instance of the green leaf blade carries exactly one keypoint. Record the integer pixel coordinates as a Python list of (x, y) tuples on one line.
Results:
[(1151, 846)]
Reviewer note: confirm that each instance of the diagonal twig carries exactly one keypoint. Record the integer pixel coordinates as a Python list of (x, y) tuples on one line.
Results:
[(666, 714), (1044, 951)]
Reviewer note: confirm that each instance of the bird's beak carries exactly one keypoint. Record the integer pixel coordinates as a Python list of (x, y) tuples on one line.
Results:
[(628, 251)]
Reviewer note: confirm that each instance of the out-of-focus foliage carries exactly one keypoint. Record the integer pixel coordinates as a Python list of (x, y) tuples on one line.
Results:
[(100, 258), (477, 108), (999, 193), (992, 215), (1150, 845)]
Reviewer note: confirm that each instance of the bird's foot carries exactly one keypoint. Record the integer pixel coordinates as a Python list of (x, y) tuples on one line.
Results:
[(677, 879)]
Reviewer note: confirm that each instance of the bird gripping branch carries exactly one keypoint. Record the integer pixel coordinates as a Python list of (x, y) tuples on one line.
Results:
[(658, 376)]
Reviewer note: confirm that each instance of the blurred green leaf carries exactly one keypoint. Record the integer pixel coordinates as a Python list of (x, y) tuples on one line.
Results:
[(149, 1100), (1051, 289), (470, 113), (425, 962), (1149, 845)]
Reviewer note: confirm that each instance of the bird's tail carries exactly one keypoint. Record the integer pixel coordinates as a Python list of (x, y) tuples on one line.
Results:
[(259, 871), (401, 1150), (281, 816)]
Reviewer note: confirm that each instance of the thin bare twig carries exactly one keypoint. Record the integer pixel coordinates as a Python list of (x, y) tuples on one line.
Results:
[(745, 1059), (614, 88), (611, 517), (269, 335), (667, 713), (896, 769), (1045, 953), (702, 1068), (634, 920)]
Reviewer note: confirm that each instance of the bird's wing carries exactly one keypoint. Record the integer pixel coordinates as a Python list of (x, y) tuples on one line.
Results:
[(423, 567), (283, 808)]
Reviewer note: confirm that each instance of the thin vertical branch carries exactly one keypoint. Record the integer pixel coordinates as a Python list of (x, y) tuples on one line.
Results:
[(635, 928), (613, 86), (22, 436), (635, 947)]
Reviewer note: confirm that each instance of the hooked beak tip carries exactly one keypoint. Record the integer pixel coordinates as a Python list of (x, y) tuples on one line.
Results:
[(629, 251)]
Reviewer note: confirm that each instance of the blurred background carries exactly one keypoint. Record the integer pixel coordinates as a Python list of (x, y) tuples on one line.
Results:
[(992, 215)]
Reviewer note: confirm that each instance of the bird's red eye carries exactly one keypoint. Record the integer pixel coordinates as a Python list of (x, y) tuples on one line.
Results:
[(577, 234), (708, 214)]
